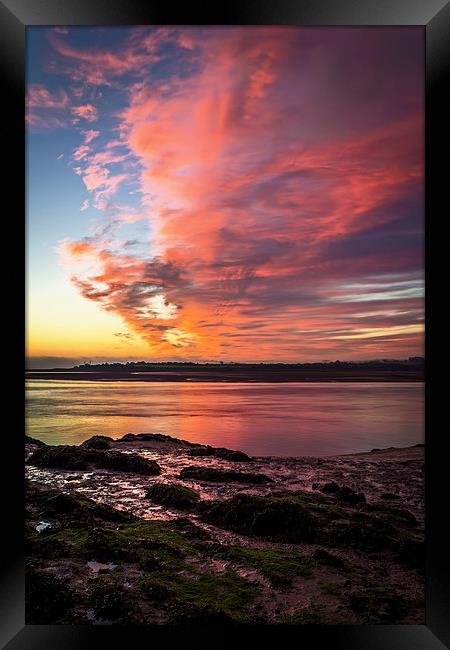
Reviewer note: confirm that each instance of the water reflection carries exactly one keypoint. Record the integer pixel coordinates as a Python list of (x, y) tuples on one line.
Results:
[(261, 419)]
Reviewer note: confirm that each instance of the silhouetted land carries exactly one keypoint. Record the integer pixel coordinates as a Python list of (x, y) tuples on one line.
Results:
[(385, 370)]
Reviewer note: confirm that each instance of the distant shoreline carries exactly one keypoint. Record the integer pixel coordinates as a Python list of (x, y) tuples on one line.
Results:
[(240, 376)]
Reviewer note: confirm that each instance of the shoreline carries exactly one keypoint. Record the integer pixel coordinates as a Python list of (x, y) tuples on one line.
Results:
[(329, 540), (239, 376)]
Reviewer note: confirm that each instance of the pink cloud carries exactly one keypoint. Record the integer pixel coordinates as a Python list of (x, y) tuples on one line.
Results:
[(46, 108), (81, 152), (271, 185), (90, 135), (86, 112)]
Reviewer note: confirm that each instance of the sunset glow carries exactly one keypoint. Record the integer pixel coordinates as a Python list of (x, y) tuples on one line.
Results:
[(215, 193)]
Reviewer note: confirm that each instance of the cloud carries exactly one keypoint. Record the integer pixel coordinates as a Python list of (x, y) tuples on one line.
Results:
[(86, 112), (275, 189), (46, 108), (90, 135), (101, 67)]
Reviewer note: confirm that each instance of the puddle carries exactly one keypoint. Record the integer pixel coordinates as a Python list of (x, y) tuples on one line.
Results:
[(100, 566)]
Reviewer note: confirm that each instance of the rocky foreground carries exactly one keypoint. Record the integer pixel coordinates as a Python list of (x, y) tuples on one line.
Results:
[(151, 529)]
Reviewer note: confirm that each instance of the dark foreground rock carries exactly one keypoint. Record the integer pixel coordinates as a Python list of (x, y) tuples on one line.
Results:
[(160, 440), (223, 476), (307, 517), (282, 552), (267, 517), (343, 493), (221, 452), (34, 441), (70, 457), (153, 437), (97, 442), (150, 570), (174, 496)]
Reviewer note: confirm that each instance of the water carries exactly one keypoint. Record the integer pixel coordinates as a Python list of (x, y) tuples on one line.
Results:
[(291, 419)]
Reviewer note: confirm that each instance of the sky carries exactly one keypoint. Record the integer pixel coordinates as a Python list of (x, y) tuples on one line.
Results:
[(224, 193)]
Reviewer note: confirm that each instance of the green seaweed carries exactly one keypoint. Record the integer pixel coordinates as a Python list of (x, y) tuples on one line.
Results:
[(279, 566), (330, 589)]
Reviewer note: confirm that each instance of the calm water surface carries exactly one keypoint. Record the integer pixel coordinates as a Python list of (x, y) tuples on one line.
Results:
[(291, 419)]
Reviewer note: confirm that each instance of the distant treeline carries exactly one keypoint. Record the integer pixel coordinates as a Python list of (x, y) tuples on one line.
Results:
[(377, 364)]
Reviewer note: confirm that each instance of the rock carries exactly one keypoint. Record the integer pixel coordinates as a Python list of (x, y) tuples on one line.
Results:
[(97, 442), (49, 599), (399, 515), (222, 476), (349, 497), (221, 452), (323, 557), (343, 494), (376, 604), (154, 437), (34, 441), (176, 496), (330, 488), (389, 496), (269, 517), (74, 507), (79, 458)]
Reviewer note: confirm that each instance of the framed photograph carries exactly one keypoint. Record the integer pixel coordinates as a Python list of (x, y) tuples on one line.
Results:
[(230, 353)]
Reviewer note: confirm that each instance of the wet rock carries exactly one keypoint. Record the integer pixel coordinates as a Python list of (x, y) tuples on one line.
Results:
[(272, 518), (79, 458), (389, 496), (329, 488), (324, 557), (97, 442), (349, 497), (172, 495), (48, 598), (343, 494), (400, 515), (34, 441), (190, 531), (221, 452), (113, 604), (376, 604), (223, 476), (154, 437), (47, 502)]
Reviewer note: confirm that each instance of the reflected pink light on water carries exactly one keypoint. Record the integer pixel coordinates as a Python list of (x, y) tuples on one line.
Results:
[(292, 419)]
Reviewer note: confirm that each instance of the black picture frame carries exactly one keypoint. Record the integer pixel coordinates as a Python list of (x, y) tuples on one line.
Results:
[(434, 16)]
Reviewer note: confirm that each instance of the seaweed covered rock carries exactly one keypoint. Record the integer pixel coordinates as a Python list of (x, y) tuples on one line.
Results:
[(223, 476), (155, 437), (97, 442), (48, 502), (329, 488), (49, 599), (343, 494), (175, 496), (79, 458), (375, 603), (221, 452), (392, 513), (274, 518), (34, 441)]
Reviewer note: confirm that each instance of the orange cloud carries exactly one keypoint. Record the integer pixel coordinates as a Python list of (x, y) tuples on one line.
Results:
[(274, 174)]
